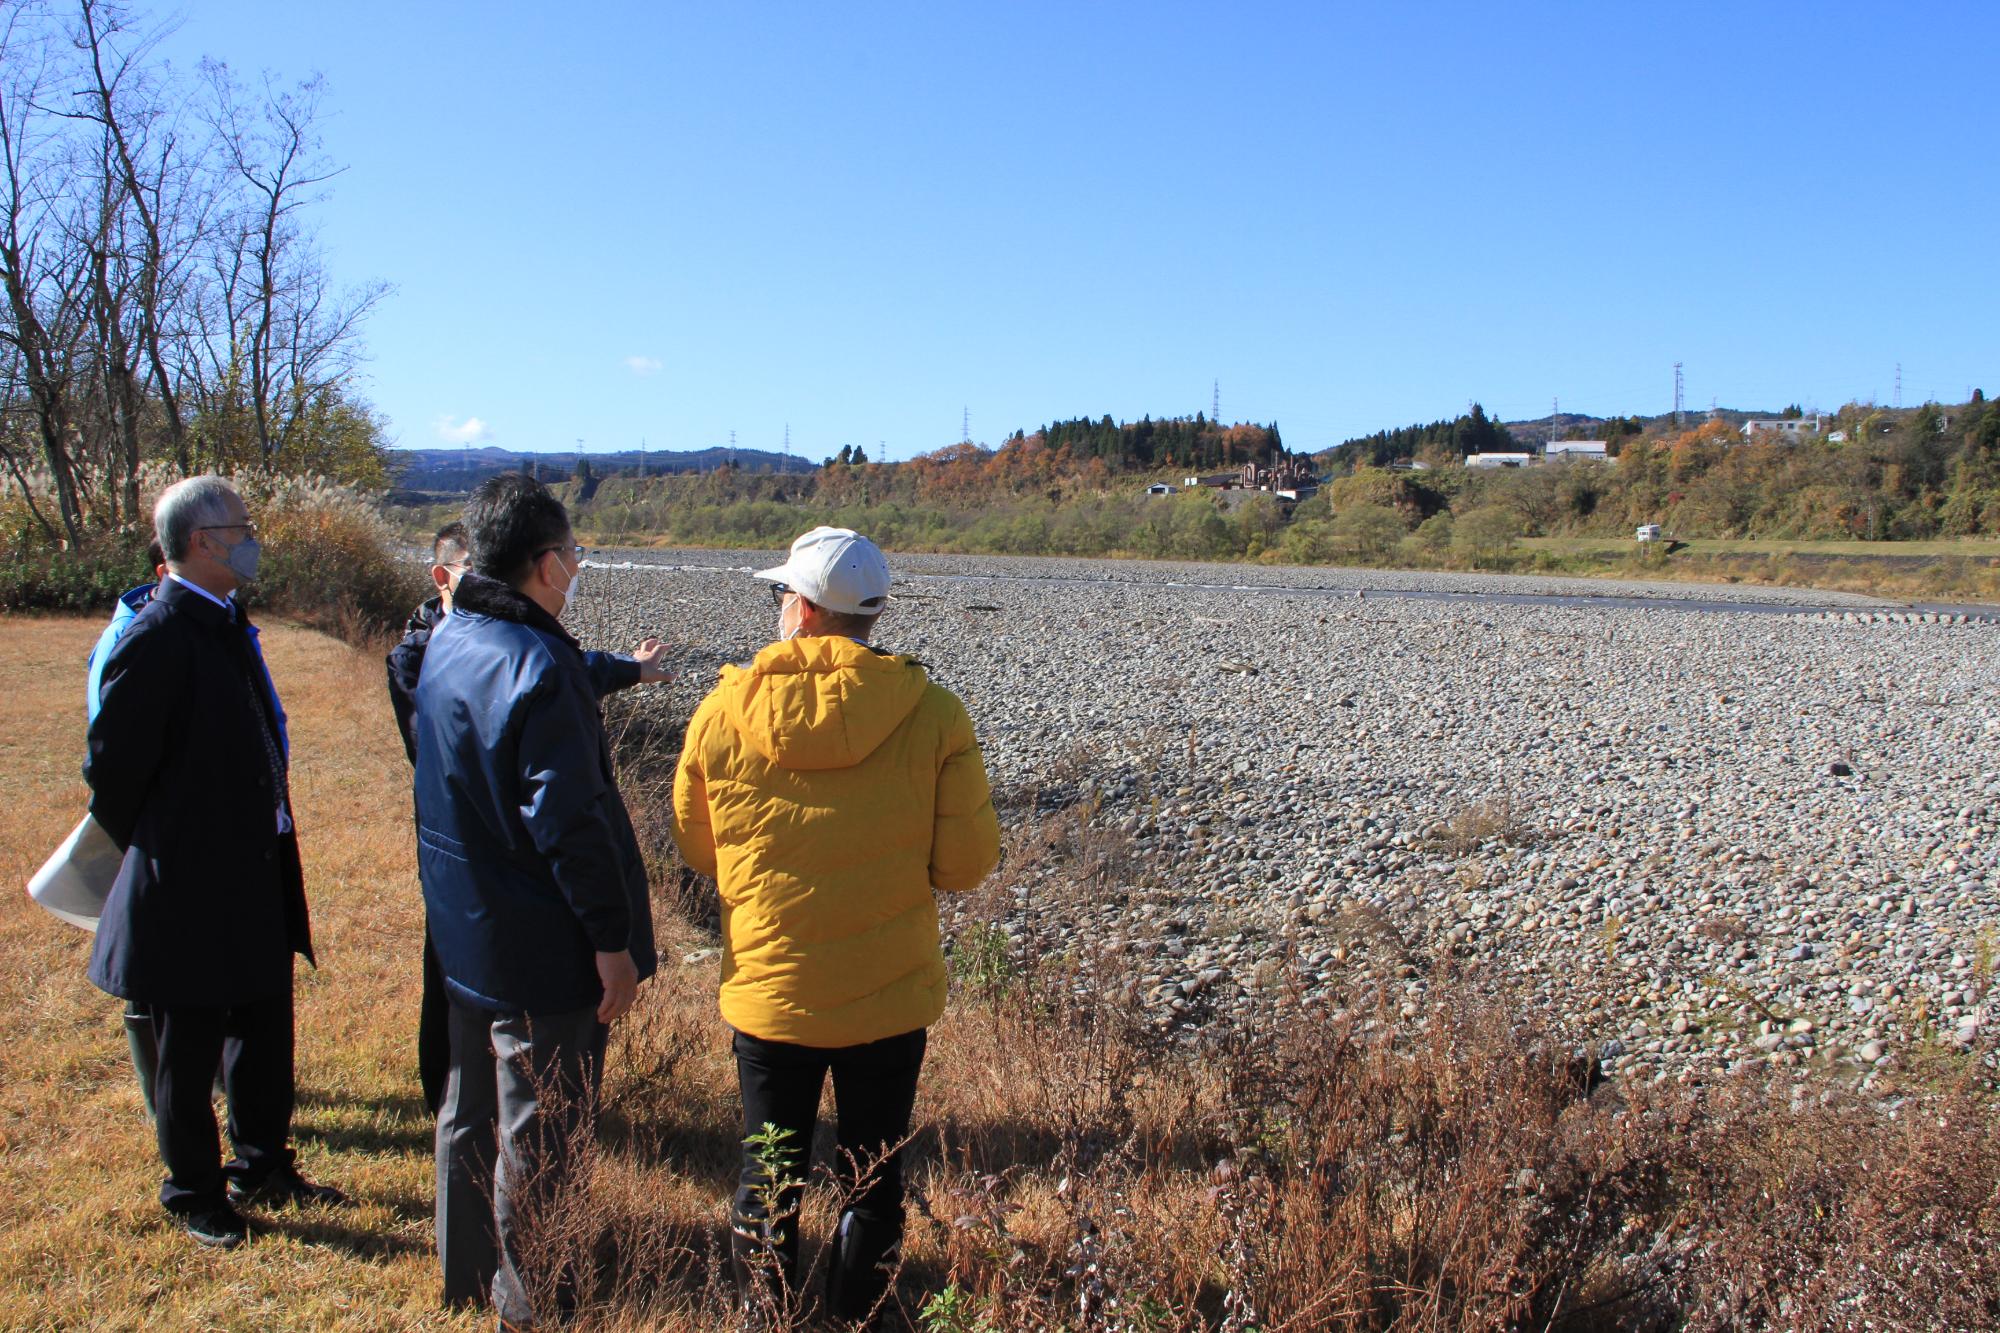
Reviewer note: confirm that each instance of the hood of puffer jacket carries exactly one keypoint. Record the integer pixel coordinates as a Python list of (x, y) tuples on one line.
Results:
[(810, 704)]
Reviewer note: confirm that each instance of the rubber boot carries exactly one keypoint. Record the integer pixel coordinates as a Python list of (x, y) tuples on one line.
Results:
[(145, 1055), (864, 1256)]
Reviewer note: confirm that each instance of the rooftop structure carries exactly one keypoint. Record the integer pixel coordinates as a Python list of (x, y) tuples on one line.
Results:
[(1562, 451), (1793, 428)]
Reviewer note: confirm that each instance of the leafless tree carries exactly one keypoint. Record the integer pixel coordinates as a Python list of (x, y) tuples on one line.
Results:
[(167, 187), (44, 305), (165, 297), (295, 335)]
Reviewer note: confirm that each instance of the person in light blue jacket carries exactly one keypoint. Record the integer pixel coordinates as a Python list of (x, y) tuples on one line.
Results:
[(123, 614), (138, 1021)]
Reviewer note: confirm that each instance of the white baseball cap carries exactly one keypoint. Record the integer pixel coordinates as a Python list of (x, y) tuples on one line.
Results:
[(838, 569)]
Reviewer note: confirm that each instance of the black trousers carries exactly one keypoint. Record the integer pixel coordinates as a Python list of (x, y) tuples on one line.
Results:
[(433, 1030), (253, 1041), (874, 1091)]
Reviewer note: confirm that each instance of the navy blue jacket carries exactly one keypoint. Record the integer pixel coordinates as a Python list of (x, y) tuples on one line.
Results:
[(209, 905), (609, 672), (529, 863)]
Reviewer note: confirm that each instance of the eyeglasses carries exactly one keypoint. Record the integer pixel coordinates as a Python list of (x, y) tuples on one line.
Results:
[(575, 552), (779, 592), (246, 525)]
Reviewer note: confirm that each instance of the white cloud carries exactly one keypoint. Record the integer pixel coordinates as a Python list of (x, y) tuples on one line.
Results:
[(645, 367), (469, 431)]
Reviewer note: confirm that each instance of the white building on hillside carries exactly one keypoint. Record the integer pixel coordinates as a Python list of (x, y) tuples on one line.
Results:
[(1791, 428), (1562, 451), (1499, 460)]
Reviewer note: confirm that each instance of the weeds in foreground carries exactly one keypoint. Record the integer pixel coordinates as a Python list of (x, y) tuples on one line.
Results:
[(1497, 820), (1345, 1169)]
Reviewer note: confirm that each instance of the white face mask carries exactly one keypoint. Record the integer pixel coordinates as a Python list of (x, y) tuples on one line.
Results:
[(569, 593)]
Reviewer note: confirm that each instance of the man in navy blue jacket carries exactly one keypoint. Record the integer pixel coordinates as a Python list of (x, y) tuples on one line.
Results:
[(609, 672), (534, 888)]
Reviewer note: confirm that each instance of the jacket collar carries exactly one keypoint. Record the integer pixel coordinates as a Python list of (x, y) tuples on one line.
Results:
[(186, 601), (426, 617), (490, 597)]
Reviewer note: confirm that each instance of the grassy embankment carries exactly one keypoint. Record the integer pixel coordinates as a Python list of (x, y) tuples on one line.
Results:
[(1946, 569), (766, 512), (1322, 1170)]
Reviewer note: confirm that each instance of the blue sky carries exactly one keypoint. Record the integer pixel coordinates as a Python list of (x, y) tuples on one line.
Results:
[(668, 221)]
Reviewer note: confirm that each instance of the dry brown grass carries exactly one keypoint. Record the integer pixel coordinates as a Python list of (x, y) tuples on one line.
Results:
[(1074, 1167)]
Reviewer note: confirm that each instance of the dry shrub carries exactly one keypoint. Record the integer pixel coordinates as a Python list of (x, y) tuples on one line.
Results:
[(1724, 928), (1487, 821), (1326, 1173), (600, 1245), (1080, 1165), (1319, 1167), (1833, 1215), (1347, 1172), (330, 558)]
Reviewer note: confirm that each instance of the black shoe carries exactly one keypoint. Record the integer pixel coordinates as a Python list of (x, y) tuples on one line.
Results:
[(284, 1187), (214, 1224)]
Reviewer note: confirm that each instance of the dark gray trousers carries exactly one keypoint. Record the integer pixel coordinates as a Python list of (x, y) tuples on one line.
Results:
[(502, 1145)]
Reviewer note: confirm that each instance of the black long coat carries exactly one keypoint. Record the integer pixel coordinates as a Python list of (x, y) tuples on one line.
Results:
[(209, 905)]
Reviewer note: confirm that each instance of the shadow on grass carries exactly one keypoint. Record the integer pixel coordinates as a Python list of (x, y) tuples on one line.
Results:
[(343, 1123), (325, 1228), (698, 1150)]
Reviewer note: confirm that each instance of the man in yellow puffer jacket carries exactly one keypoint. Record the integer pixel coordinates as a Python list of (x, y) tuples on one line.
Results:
[(829, 788)]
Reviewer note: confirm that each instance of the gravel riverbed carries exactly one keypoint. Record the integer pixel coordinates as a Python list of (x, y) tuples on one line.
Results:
[(1703, 827)]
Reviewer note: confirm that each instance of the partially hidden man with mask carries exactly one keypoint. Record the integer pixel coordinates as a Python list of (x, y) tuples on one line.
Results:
[(188, 768), (609, 673), (534, 890)]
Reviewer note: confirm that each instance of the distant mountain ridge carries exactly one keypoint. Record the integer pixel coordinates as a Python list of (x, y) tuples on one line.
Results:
[(1557, 425), (457, 471)]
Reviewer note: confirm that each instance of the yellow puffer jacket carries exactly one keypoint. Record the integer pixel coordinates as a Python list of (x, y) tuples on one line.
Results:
[(829, 788)]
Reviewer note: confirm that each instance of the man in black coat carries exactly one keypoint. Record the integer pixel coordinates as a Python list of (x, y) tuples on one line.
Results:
[(188, 770), (534, 888), (609, 672)]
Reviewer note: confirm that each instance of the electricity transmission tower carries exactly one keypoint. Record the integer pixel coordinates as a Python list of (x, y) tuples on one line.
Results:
[(1679, 395), (965, 426)]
